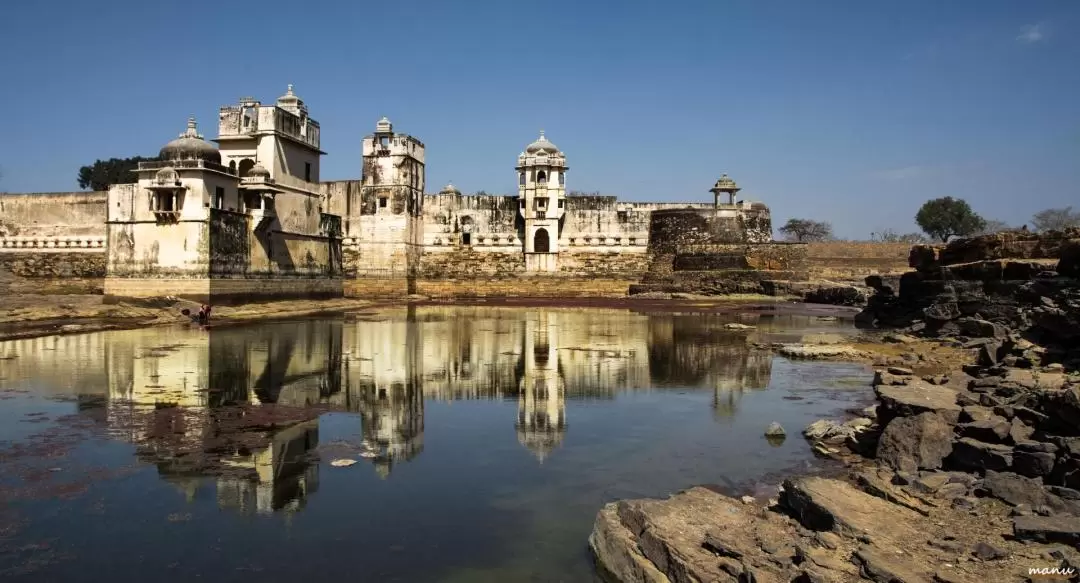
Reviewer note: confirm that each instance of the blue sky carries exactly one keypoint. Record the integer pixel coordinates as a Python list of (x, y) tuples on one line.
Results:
[(852, 112)]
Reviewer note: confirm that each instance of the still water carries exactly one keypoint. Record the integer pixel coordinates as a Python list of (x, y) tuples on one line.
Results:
[(485, 438)]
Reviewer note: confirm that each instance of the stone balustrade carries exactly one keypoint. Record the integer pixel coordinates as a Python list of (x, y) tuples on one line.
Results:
[(90, 243)]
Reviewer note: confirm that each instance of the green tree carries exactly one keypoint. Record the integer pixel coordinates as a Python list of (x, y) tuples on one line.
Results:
[(946, 217), (104, 173), (1055, 219), (804, 230)]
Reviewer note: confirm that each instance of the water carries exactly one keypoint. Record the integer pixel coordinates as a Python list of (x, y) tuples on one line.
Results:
[(486, 439)]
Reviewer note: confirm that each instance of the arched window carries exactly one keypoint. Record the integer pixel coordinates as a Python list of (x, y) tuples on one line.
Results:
[(245, 166), (232, 165), (541, 177), (521, 179), (562, 178), (541, 241)]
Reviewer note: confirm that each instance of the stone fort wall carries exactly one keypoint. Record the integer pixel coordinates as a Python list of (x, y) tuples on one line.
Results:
[(53, 214)]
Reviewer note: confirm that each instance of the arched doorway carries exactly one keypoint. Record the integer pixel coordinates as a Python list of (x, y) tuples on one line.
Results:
[(245, 166), (541, 241)]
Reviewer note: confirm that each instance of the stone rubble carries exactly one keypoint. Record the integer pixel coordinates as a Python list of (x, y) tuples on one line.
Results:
[(972, 475)]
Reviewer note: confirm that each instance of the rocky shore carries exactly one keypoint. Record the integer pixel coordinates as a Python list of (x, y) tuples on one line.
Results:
[(967, 474)]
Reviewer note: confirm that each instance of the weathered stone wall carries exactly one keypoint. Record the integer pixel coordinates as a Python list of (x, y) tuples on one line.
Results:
[(844, 260), (224, 290), (672, 229), (51, 273), (53, 213)]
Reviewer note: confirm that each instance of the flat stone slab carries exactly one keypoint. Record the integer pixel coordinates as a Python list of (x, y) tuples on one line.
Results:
[(1047, 528), (919, 397), (815, 351), (823, 504)]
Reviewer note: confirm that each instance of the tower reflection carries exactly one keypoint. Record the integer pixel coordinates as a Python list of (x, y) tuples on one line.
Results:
[(240, 405)]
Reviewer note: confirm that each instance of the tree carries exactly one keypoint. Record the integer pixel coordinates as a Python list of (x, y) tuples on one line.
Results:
[(946, 217), (104, 173), (803, 230), (890, 236), (1055, 219)]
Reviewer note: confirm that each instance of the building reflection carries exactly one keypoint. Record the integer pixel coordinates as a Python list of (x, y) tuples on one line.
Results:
[(208, 403)]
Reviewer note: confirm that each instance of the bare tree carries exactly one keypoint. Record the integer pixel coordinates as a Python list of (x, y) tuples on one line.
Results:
[(994, 226), (805, 230), (1055, 219), (890, 236)]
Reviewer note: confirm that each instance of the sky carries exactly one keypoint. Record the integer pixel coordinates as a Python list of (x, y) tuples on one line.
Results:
[(850, 112)]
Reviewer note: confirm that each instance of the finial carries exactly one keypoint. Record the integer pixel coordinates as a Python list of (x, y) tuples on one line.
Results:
[(289, 91), (542, 135), (191, 122)]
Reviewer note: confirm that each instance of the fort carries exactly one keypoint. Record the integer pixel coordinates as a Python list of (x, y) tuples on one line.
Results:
[(249, 217)]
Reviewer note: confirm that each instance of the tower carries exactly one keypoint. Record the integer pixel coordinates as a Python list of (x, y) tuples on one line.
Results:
[(280, 137), (542, 200), (391, 201), (724, 186)]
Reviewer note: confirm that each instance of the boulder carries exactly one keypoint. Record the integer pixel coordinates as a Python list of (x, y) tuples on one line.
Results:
[(913, 443), (972, 455), (679, 539), (1064, 529), (917, 397), (977, 328), (1032, 463), (993, 429)]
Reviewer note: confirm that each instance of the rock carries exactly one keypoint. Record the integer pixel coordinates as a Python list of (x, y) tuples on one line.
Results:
[(342, 463), (899, 338), (888, 378), (993, 429), (828, 540), (914, 443), (823, 504), (1034, 380), (977, 328), (820, 351), (930, 483), (949, 546), (1047, 528), (970, 413), (915, 398), (738, 326), (747, 500), (885, 568), (1019, 431), (900, 371), (775, 430), (988, 552), (678, 539), (828, 430), (1033, 464), (972, 455), (1013, 489)]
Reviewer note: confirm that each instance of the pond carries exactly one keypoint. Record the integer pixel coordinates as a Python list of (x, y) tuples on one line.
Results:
[(483, 440)]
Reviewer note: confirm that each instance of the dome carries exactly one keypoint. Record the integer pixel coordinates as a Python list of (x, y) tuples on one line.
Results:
[(450, 189), (542, 145), (190, 146), (259, 171)]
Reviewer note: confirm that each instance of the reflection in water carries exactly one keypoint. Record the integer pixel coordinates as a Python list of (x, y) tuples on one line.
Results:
[(209, 403)]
